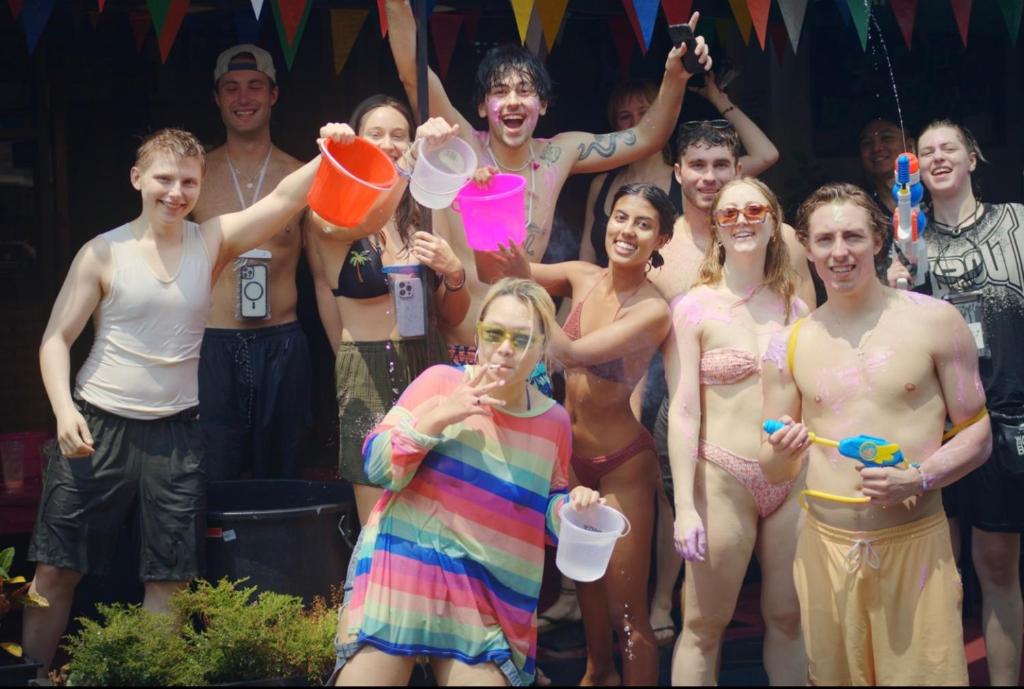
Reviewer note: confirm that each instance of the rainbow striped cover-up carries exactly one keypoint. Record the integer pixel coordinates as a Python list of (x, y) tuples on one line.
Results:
[(451, 558)]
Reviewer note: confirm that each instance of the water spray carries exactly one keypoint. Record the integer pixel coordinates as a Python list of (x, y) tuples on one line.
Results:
[(909, 220)]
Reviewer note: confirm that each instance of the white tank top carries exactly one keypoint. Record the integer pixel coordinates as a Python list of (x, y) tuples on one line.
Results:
[(144, 362)]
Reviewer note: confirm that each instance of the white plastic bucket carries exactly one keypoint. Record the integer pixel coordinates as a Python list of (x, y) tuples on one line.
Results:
[(441, 171), (586, 540)]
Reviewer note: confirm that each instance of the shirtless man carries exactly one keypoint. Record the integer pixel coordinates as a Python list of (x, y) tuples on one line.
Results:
[(254, 372), (878, 587), (512, 91)]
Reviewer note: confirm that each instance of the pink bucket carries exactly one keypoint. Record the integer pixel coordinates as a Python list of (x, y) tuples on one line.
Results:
[(493, 214)]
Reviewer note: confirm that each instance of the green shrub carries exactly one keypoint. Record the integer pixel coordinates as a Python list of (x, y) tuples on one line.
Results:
[(215, 634)]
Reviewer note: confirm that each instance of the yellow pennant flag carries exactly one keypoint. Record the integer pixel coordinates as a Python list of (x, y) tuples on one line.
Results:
[(345, 28), (743, 18), (522, 9), (551, 15)]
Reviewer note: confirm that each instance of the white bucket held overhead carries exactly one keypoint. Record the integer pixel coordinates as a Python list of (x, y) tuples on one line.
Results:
[(441, 171)]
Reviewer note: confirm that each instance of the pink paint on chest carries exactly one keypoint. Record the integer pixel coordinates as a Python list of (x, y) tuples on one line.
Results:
[(776, 351), (836, 386), (692, 310)]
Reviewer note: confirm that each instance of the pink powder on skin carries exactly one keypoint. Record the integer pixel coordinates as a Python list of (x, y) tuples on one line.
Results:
[(776, 351), (836, 386), (923, 578), (691, 310)]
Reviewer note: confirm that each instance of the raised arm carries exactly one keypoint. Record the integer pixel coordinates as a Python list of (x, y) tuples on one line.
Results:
[(599, 152), (640, 325), (682, 370), (77, 300), (761, 153), (326, 306), (402, 39), (781, 452)]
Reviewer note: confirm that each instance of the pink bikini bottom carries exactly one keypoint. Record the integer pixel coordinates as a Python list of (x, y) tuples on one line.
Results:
[(767, 497)]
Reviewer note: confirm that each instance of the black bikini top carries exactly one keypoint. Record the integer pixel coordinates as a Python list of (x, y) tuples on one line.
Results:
[(362, 273)]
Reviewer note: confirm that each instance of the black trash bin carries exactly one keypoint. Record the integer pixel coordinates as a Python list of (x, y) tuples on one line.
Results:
[(286, 536)]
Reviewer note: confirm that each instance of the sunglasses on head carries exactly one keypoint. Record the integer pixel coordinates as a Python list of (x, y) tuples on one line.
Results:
[(753, 213), (713, 124), (495, 334)]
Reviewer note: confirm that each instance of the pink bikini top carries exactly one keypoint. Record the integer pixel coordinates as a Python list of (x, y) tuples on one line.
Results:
[(727, 365)]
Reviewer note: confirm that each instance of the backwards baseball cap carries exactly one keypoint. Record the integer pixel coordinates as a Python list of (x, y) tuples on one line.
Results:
[(261, 61)]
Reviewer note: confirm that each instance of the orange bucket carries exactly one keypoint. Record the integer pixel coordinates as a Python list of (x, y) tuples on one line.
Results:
[(349, 180)]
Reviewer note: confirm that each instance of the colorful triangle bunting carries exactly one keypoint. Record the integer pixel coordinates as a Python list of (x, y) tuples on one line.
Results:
[(793, 13), (962, 11), (646, 14), (33, 20), (1011, 13), (172, 23), (551, 14), (634, 21), (522, 9), (535, 35), (743, 19), (382, 16), (158, 10), (859, 15), (101, 3), (759, 10), (257, 7), (16, 7), (677, 11), (291, 17), (140, 24), (444, 29), (622, 39), (844, 13), (778, 34), (905, 11), (345, 28)]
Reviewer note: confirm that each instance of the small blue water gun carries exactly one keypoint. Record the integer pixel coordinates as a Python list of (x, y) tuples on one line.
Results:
[(908, 220), (866, 449)]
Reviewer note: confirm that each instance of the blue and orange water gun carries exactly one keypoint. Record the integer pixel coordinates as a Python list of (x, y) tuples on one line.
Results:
[(908, 220), (866, 449)]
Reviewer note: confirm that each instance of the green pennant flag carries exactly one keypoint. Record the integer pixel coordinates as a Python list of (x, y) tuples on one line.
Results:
[(859, 11), (291, 17), (158, 10), (1011, 13)]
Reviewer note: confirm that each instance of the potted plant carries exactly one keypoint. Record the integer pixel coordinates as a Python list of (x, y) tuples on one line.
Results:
[(14, 592), (215, 635)]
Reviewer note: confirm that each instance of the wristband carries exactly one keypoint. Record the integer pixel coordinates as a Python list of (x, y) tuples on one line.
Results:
[(457, 287), (924, 479), (729, 109)]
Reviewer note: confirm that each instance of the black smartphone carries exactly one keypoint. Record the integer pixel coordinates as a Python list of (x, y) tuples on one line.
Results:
[(680, 34)]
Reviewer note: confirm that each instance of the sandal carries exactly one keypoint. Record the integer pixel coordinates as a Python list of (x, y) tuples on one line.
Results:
[(665, 635)]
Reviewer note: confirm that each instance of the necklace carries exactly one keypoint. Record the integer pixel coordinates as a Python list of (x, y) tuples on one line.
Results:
[(533, 170), (252, 181), (957, 229), (866, 337)]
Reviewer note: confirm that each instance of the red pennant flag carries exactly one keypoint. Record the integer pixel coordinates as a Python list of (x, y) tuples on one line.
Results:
[(101, 4), (623, 42), (962, 10), (16, 6), (291, 17), (292, 12), (905, 11), (759, 10), (172, 23), (677, 11), (444, 29), (472, 22), (382, 14), (140, 23)]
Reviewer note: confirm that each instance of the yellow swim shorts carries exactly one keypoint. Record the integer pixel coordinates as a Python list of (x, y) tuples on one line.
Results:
[(881, 607)]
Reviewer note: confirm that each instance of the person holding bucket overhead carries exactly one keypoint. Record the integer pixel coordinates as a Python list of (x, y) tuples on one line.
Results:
[(475, 466), (617, 322), (375, 360), (512, 91), (127, 429), (725, 508)]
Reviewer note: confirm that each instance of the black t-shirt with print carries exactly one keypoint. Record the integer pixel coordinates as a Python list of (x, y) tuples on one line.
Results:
[(987, 258)]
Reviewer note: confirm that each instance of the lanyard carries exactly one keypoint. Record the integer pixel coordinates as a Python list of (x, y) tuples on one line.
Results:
[(259, 181)]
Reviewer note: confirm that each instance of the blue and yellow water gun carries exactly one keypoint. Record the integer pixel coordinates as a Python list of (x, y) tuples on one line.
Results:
[(908, 220), (866, 449)]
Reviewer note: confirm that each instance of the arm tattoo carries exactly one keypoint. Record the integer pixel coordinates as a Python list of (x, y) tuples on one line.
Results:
[(533, 233), (604, 144)]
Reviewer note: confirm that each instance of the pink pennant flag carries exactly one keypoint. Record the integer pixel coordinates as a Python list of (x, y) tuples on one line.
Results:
[(759, 10), (962, 10), (383, 15), (905, 12), (677, 11), (444, 29)]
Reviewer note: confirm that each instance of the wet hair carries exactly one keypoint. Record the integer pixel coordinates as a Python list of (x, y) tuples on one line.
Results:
[(506, 60), (176, 142), (529, 293), (965, 134), (703, 135), (656, 196), (407, 215), (838, 192), (779, 275), (630, 88)]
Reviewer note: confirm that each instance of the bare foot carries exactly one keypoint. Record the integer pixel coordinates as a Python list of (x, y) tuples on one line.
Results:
[(594, 679), (540, 679)]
